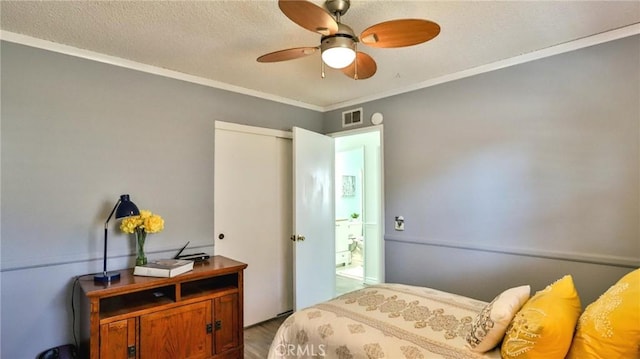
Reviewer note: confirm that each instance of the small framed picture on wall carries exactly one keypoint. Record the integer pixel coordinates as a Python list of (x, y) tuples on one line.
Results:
[(348, 186)]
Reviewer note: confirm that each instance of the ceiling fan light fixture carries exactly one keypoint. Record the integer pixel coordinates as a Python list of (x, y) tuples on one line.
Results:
[(339, 44), (338, 51)]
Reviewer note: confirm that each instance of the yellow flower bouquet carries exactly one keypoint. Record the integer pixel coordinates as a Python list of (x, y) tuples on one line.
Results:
[(140, 225)]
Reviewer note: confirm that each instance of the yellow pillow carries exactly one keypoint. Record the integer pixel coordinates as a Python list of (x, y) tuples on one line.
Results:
[(610, 326), (543, 328)]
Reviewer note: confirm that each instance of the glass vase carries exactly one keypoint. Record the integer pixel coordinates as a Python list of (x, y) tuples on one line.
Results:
[(141, 258)]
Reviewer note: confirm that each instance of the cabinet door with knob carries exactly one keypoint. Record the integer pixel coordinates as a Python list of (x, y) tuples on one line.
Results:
[(119, 339), (181, 332), (226, 323)]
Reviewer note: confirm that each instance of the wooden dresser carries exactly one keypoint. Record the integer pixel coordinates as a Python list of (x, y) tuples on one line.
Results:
[(198, 314)]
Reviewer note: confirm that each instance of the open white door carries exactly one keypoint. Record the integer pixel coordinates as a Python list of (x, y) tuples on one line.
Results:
[(313, 218)]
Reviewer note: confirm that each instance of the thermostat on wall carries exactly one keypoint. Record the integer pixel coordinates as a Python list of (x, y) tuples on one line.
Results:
[(376, 118)]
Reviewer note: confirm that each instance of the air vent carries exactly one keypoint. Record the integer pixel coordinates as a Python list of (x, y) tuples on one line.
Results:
[(352, 117)]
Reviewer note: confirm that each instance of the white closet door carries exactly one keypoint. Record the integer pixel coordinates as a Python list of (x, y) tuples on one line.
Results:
[(253, 216)]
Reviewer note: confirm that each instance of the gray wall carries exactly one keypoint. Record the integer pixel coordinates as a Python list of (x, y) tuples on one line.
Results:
[(516, 176), (540, 160), (75, 134)]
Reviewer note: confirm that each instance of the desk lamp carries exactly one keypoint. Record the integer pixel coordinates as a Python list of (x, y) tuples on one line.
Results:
[(123, 208)]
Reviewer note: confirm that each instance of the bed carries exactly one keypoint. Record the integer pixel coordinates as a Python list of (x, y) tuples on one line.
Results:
[(382, 321), (401, 321)]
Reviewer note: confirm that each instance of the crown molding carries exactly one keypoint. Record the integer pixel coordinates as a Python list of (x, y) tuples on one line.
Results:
[(134, 65), (531, 56), (596, 39)]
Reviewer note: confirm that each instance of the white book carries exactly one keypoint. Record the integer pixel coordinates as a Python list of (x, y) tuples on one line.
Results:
[(164, 268)]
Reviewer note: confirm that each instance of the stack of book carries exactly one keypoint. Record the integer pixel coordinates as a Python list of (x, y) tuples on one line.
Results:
[(164, 268)]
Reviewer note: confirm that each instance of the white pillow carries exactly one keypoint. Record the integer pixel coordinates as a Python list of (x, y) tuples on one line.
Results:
[(490, 325)]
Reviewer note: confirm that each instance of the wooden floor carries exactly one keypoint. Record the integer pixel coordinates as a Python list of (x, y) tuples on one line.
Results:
[(258, 338)]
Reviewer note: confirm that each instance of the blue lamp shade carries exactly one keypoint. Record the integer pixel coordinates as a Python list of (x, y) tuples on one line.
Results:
[(126, 208), (123, 208)]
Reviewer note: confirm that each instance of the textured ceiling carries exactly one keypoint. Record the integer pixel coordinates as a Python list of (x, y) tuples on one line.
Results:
[(220, 40)]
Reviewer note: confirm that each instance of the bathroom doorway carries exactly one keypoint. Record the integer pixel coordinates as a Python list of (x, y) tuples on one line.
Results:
[(359, 208)]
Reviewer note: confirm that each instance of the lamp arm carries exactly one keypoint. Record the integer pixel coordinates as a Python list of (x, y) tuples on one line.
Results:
[(104, 258), (112, 212)]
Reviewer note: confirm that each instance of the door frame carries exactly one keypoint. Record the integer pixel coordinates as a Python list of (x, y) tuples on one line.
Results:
[(358, 131)]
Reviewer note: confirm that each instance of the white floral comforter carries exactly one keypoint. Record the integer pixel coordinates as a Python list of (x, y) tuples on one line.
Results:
[(382, 321)]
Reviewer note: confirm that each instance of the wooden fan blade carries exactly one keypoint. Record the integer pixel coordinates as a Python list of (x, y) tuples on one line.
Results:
[(400, 33), (288, 54), (362, 68), (309, 15)]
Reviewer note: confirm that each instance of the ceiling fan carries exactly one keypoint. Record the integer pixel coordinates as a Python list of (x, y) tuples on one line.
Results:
[(338, 44)]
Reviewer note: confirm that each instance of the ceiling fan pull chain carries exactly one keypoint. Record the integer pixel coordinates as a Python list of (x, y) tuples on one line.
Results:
[(321, 68), (355, 62)]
